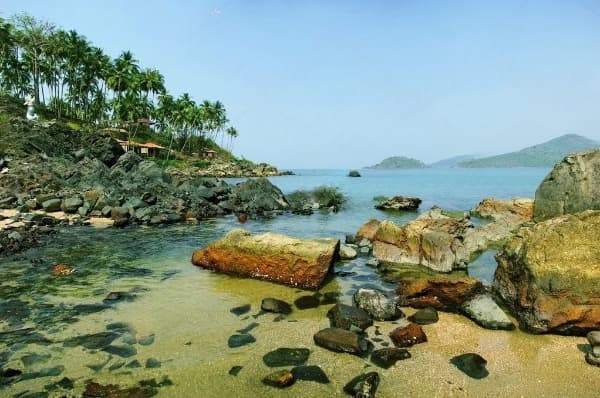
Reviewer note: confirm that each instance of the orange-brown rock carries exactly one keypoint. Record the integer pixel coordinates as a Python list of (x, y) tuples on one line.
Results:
[(442, 292), (277, 258), (549, 274), (521, 208), (408, 336), (62, 270), (368, 230)]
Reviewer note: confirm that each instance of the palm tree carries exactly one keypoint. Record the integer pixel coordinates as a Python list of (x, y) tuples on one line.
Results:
[(231, 133), (33, 36)]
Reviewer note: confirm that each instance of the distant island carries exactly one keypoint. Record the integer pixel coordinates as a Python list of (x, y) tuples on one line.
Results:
[(541, 155), (452, 162), (398, 162)]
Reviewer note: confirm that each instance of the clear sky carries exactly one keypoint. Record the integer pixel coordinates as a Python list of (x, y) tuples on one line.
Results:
[(344, 84)]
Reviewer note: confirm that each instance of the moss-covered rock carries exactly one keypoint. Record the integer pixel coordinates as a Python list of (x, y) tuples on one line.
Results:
[(549, 274)]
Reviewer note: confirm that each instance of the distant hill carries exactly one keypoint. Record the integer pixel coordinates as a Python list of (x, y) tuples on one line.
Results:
[(452, 162), (546, 154), (398, 162)]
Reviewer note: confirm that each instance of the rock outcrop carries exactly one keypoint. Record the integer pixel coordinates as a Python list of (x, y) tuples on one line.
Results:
[(432, 240), (549, 274), (443, 241), (571, 187), (277, 258), (399, 203)]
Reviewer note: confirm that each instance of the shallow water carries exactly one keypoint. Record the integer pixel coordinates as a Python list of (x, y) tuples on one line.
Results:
[(178, 315)]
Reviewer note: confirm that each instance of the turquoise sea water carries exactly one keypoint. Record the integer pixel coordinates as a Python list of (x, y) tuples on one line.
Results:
[(177, 303)]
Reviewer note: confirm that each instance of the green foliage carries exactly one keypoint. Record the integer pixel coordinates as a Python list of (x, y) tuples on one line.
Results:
[(72, 79), (380, 198), (328, 197), (201, 164)]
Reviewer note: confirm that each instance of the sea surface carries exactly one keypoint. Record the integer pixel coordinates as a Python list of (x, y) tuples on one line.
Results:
[(171, 325)]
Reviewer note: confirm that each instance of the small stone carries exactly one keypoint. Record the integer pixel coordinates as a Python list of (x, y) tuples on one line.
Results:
[(17, 237), (235, 370), (363, 386), (347, 317), (425, 316), (377, 304), (593, 357), (286, 357), (473, 365), (62, 270), (372, 262), (347, 252), (122, 351), (241, 310), (594, 338), (275, 305), (10, 373), (279, 379), (341, 340), (134, 364), (239, 340), (387, 357), (408, 336)]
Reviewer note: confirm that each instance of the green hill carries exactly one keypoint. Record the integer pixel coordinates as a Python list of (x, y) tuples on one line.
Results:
[(452, 162), (398, 162), (542, 155)]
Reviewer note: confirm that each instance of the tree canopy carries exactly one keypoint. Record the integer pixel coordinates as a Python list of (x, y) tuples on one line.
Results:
[(69, 76)]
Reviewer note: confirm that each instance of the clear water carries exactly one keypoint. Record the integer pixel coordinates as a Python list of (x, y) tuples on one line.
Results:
[(179, 315)]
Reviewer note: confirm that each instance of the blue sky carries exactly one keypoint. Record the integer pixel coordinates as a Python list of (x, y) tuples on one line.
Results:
[(344, 84)]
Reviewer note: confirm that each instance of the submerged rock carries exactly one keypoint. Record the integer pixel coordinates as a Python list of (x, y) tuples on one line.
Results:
[(62, 270), (473, 365), (297, 262), (347, 317), (286, 357), (549, 275), (363, 386), (96, 390), (306, 302), (235, 370), (241, 310), (239, 340), (377, 304), (341, 340)]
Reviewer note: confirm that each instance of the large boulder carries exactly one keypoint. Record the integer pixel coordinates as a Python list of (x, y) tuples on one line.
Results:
[(257, 197), (432, 240), (106, 149), (520, 208), (278, 258), (571, 187), (549, 274)]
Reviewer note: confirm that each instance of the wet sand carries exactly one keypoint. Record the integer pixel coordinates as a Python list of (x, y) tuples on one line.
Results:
[(190, 319)]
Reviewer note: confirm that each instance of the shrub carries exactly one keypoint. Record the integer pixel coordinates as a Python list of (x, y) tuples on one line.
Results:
[(328, 197)]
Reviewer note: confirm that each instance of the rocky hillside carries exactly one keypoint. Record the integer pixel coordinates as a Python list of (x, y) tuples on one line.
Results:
[(541, 155), (398, 162)]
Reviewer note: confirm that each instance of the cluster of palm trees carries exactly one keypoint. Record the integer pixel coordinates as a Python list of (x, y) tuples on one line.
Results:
[(73, 79)]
